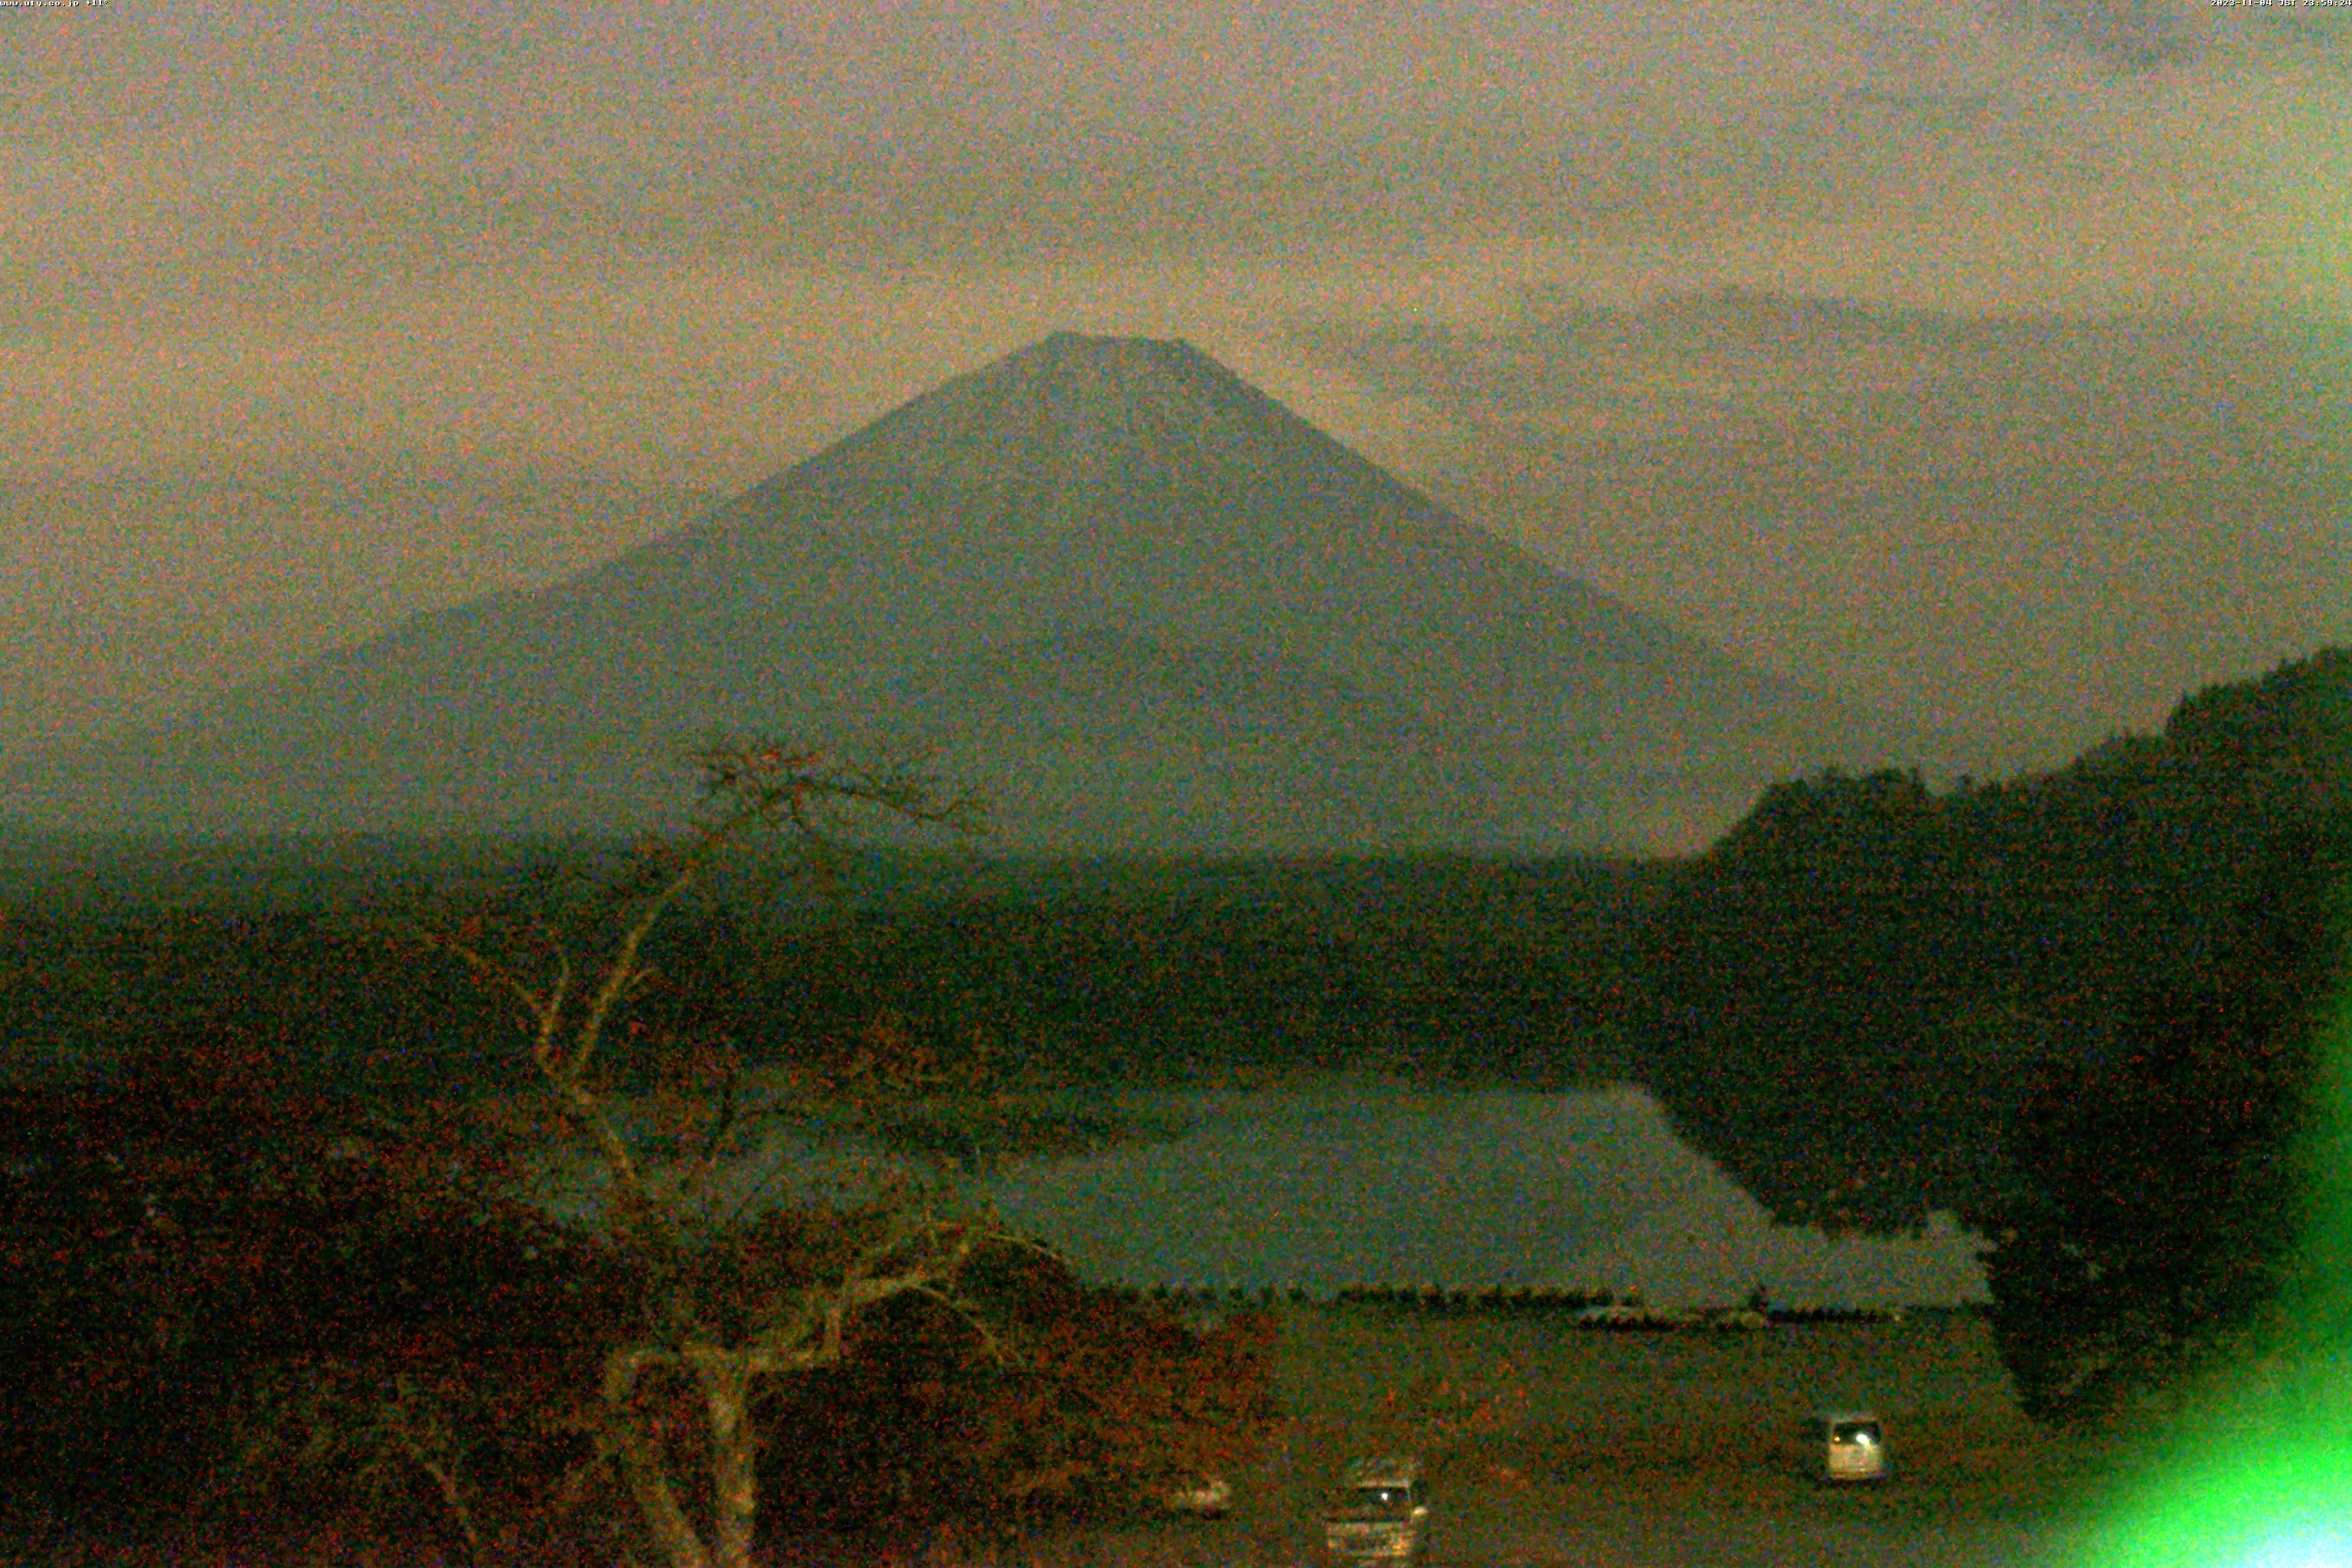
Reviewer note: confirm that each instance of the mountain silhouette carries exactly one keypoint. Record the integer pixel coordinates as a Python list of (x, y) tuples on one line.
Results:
[(1135, 601)]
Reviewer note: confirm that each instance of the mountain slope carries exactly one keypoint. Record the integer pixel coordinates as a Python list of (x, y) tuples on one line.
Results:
[(1134, 600)]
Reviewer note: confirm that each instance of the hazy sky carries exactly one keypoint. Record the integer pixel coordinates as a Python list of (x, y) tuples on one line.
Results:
[(317, 315)]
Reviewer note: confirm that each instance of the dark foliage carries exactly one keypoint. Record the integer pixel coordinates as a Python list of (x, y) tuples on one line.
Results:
[(1848, 1000), (2156, 1204), (220, 1290), (1445, 969), (198, 1226), (1075, 1400), (83, 995)]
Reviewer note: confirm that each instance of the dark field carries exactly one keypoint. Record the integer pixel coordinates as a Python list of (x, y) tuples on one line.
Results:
[(1554, 1446), (1545, 1445)]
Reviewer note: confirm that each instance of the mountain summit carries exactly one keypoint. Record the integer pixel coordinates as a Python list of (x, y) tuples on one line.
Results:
[(1135, 601)]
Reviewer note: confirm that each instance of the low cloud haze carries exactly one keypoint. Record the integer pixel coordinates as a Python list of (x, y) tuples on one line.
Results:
[(2042, 526), (303, 307)]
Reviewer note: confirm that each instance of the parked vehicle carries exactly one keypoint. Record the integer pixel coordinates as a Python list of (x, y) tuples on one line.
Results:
[(1847, 1446), (1380, 1513)]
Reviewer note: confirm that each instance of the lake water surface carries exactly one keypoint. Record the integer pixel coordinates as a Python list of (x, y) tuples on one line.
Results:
[(1352, 1180)]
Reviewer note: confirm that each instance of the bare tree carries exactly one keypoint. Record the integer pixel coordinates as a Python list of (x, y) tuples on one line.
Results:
[(727, 1299)]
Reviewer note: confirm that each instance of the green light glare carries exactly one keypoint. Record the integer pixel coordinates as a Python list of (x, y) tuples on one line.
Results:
[(2322, 1546), (2274, 1503), (2263, 1479)]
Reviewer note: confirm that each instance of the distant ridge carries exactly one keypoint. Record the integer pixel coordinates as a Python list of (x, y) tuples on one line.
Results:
[(1138, 602)]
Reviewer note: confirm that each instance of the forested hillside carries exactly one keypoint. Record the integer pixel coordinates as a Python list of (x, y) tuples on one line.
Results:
[(1846, 1000), (1453, 970), (1851, 995)]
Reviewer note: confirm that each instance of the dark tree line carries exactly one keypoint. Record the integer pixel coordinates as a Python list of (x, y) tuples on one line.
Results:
[(2080, 1009), (1898, 965), (1445, 970), (2158, 1206)]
